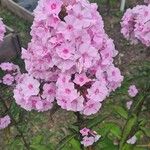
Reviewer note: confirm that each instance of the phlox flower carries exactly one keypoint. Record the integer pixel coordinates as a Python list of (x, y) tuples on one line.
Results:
[(89, 137), (8, 79), (133, 91), (65, 51), (84, 131), (69, 59), (88, 141), (98, 92), (2, 30), (128, 104), (6, 66), (132, 140), (91, 107), (81, 79), (49, 92), (135, 24), (4, 122), (53, 6)]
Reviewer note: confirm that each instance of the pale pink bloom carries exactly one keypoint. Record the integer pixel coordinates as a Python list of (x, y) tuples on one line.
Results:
[(4, 122), (8, 79), (53, 6), (147, 1), (84, 131), (114, 74), (62, 52), (128, 104), (91, 107), (8, 66), (65, 51), (88, 141), (67, 90), (2, 30), (88, 55), (30, 86), (81, 79), (77, 104), (49, 92), (132, 140), (64, 102), (68, 2), (98, 92), (133, 91), (135, 24), (62, 79)]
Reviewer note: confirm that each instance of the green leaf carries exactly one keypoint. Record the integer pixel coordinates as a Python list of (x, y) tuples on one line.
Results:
[(121, 112), (37, 139), (16, 144), (40, 147), (110, 127), (65, 141), (130, 125), (95, 121), (106, 144), (146, 131)]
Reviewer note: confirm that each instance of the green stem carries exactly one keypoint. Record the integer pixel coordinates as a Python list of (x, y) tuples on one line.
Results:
[(15, 123), (132, 122)]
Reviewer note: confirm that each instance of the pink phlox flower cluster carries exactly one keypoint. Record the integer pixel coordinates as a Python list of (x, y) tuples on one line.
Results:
[(70, 57), (147, 1), (136, 24), (30, 96), (4, 122), (89, 137), (11, 73), (2, 30)]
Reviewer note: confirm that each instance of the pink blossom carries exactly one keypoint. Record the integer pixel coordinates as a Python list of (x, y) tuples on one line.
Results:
[(91, 107), (89, 137), (69, 59), (147, 1), (98, 92), (49, 92), (29, 86), (53, 6), (8, 66), (133, 91), (8, 79), (87, 141), (4, 122), (77, 104), (81, 79), (135, 24), (2, 30), (128, 104), (65, 51), (132, 140), (84, 131)]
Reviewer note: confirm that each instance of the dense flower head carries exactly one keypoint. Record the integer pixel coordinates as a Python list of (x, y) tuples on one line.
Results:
[(136, 24), (89, 137), (11, 73), (69, 59), (30, 96), (4, 122), (147, 1), (2, 30)]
